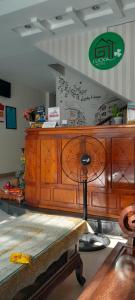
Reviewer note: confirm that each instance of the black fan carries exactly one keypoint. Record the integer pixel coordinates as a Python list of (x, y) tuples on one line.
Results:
[(84, 160)]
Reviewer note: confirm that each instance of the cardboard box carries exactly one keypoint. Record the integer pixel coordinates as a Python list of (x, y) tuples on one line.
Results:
[(130, 116)]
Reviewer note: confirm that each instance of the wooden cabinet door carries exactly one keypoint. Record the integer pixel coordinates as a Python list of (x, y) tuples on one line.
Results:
[(123, 163), (65, 173), (31, 160), (104, 203), (54, 195), (126, 200), (32, 167), (49, 161)]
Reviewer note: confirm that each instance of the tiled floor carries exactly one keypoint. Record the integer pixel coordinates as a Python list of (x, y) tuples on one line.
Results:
[(70, 289)]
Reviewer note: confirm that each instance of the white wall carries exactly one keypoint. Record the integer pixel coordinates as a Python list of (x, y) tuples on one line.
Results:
[(11, 140), (81, 100), (72, 50)]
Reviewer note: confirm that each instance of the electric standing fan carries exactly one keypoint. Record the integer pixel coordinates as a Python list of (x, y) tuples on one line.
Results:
[(84, 160)]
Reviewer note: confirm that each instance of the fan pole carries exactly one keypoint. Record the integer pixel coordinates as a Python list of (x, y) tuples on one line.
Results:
[(85, 198), (85, 153)]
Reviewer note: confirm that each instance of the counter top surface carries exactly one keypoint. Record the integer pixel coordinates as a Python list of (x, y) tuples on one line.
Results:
[(110, 129), (83, 127)]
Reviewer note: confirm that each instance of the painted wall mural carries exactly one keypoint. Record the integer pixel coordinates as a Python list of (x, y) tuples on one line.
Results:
[(78, 92), (81, 101), (105, 110)]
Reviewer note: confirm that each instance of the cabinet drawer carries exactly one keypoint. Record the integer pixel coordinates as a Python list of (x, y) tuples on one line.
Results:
[(64, 195), (45, 195), (30, 194), (49, 161), (102, 200), (126, 200)]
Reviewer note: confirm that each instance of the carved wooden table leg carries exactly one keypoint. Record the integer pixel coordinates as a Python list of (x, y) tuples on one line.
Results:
[(55, 274), (79, 272)]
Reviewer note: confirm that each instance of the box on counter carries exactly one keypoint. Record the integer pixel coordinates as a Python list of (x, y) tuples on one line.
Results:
[(54, 114), (130, 114)]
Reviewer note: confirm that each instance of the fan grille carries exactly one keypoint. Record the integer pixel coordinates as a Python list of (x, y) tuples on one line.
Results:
[(72, 154)]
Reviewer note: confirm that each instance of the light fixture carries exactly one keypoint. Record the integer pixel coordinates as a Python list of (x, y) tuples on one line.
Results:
[(58, 18), (95, 7), (27, 26), (38, 24)]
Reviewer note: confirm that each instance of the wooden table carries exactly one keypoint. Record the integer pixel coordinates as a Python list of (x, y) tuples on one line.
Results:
[(112, 282), (51, 241), (16, 196)]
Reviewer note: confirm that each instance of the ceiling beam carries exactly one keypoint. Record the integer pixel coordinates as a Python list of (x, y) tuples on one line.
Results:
[(37, 24), (117, 7), (75, 17), (129, 6)]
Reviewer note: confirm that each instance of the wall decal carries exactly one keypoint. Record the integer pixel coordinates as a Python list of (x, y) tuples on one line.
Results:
[(77, 91), (81, 101), (76, 116), (105, 110)]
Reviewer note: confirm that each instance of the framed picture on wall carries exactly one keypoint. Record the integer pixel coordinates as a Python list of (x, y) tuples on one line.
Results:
[(11, 122), (2, 119)]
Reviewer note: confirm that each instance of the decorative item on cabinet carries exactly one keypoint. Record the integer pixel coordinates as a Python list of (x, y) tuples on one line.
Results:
[(35, 116), (117, 115)]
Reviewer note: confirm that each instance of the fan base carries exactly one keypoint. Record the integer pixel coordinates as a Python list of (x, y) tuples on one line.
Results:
[(93, 242)]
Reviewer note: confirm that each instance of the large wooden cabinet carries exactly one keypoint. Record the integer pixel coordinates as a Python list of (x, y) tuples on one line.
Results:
[(47, 186)]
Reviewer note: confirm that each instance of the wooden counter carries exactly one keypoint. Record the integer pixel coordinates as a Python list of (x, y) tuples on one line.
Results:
[(47, 186), (110, 282)]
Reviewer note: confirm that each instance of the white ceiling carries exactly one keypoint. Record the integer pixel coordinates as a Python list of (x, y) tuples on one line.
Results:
[(24, 22)]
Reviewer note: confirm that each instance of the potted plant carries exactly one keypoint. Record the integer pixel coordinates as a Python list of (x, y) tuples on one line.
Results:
[(116, 115)]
